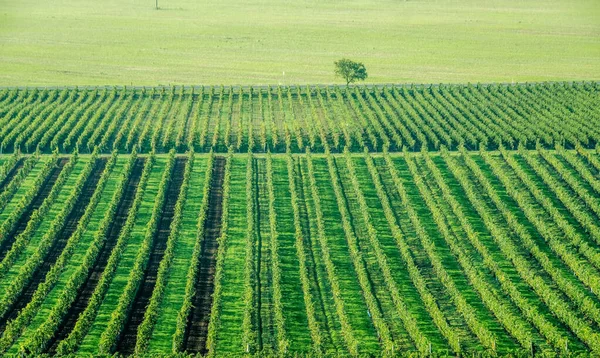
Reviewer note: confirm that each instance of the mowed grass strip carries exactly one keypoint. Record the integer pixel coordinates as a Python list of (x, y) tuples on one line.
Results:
[(43, 227), (484, 284), (543, 299), (443, 300), (532, 229), (493, 245), (320, 288), (394, 260), (356, 308), (25, 186), (398, 333), (174, 292), (90, 343), (294, 311), (231, 311), (480, 320), (78, 254)]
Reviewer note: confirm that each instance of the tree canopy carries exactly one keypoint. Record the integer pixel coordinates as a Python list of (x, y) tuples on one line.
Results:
[(350, 71)]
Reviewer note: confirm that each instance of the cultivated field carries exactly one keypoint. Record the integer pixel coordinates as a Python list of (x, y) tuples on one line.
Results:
[(443, 252), (301, 220), (191, 181), (318, 119), (116, 42)]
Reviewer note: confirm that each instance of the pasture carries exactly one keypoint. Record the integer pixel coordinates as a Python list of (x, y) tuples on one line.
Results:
[(115, 42)]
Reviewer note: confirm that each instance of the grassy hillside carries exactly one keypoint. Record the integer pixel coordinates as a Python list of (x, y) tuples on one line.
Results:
[(254, 42)]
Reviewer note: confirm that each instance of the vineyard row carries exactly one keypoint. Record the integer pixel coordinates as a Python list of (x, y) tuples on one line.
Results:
[(282, 119), (444, 252)]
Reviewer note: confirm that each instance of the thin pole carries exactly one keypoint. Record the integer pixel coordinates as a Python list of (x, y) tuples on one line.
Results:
[(156, 4)]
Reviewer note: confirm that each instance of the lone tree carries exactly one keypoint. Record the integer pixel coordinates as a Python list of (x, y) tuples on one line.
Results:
[(350, 71)]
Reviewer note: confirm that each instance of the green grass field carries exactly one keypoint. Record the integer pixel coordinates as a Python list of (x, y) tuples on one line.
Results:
[(85, 42)]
